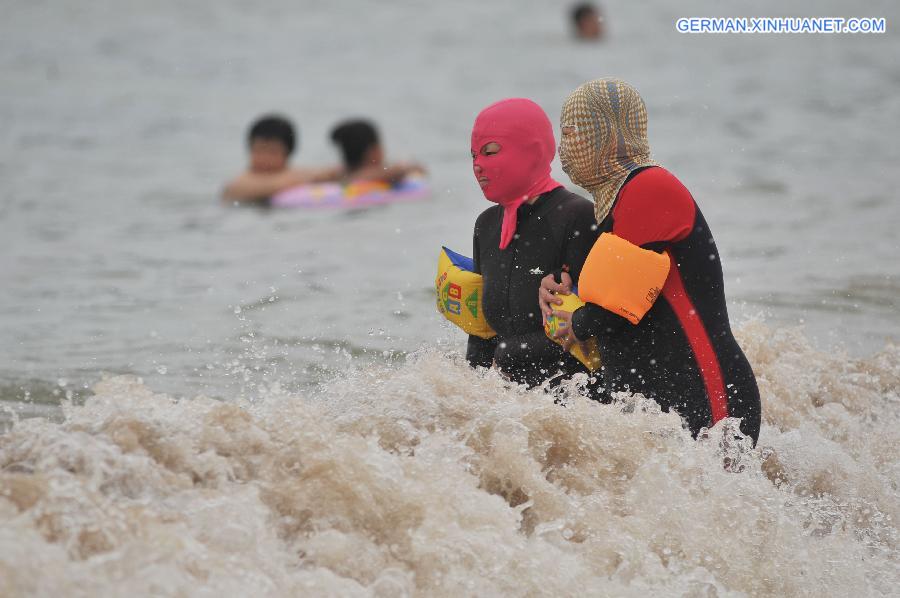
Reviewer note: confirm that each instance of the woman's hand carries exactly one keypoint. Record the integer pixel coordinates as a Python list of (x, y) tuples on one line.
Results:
[(564, 330), (549, 286)]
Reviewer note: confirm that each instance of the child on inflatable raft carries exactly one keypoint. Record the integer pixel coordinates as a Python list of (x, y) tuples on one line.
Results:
[(364, 178)]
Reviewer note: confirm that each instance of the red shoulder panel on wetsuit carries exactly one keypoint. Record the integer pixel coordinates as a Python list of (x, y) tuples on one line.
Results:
[(654, 206)]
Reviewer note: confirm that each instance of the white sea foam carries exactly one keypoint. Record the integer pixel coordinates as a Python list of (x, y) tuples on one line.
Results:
[(426, 478)]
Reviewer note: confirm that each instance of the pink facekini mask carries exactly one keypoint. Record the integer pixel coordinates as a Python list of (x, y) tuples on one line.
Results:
[(521, 169)]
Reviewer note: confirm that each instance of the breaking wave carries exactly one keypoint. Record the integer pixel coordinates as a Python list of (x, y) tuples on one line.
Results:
[(425, 478)]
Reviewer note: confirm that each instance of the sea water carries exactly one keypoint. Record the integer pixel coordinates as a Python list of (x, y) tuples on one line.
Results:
[(245, 401)]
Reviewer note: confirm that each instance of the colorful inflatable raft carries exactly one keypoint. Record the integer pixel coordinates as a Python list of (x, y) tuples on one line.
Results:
[(354, 195)]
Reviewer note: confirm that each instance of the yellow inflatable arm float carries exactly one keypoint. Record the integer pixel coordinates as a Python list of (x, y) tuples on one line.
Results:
[(622, 277), (586, 352), (459, 293)]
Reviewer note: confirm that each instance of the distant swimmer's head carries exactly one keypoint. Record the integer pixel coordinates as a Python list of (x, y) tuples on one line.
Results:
[(271, 140), (587, 21), (604, 138), (359, 143), (512, 148)]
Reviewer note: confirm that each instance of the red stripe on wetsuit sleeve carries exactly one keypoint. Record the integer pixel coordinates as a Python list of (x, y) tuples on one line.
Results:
[(655, 207), (695, 331)]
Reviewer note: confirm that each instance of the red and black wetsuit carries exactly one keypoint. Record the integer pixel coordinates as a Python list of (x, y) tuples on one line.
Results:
[(682, 353), (557, 230)]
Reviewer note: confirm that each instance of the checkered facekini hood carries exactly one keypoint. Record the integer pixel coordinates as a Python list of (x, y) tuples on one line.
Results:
[(604, 139)]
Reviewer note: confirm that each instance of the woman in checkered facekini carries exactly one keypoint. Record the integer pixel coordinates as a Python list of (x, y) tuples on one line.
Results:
[(669, 339)]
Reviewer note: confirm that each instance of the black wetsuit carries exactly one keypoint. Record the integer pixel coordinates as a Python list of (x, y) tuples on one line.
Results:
[(555, 232), (682, 353)]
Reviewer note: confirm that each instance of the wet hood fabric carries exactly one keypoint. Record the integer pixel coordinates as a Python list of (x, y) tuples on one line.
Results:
[(604, 139), (521, 169)]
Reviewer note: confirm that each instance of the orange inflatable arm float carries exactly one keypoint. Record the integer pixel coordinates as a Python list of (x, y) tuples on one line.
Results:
[(622, 277)]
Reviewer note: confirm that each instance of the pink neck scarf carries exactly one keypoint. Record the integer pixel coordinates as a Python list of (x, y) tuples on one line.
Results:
[(521, 169)]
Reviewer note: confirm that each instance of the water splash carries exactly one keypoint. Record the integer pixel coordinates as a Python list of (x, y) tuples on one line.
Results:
[(426, 478)]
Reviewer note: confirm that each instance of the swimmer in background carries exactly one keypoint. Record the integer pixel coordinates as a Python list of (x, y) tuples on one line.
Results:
[(587, 22), (363, 154), (271, 141)]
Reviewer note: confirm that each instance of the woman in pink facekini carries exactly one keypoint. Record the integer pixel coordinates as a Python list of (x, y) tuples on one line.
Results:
[(535, 228)]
